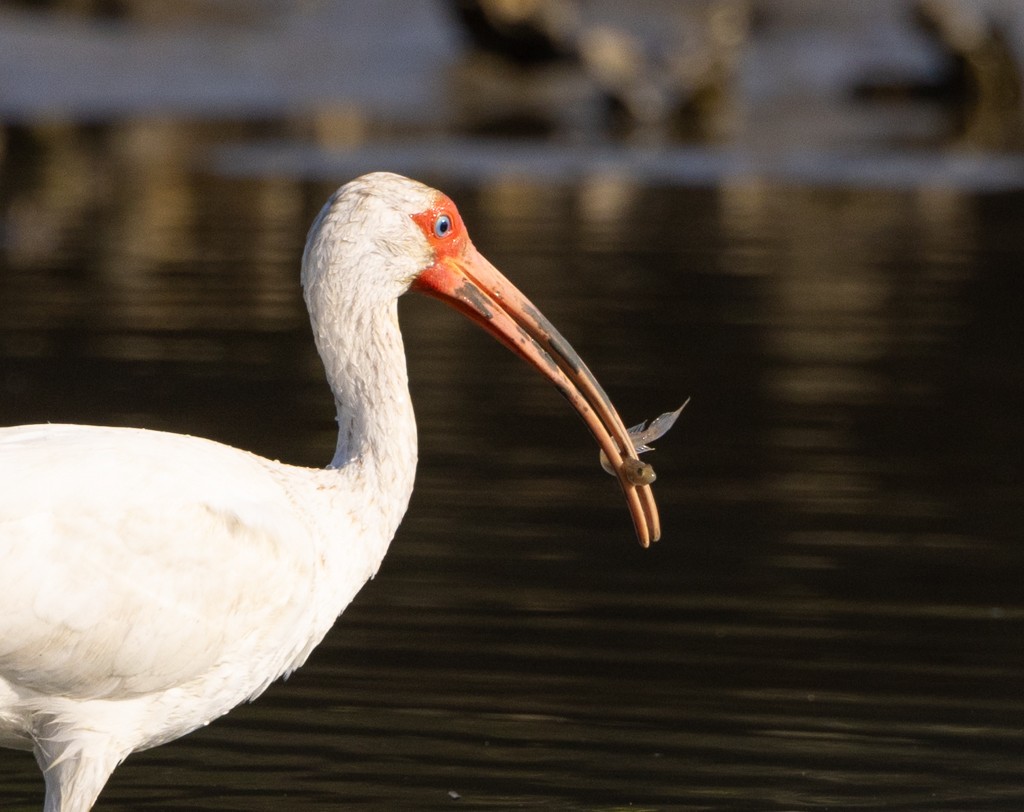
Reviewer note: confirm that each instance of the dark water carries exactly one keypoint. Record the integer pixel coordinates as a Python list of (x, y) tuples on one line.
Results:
[(835, 617)]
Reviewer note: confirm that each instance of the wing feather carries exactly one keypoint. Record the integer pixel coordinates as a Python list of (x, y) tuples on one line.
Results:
[(129, 559)]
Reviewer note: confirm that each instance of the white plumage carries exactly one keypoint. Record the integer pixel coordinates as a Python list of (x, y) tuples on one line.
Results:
[(150, 582)]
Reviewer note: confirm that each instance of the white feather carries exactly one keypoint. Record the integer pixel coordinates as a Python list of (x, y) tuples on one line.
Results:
[(149, 582)]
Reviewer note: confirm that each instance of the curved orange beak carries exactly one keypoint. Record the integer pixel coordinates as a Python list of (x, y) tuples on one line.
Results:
[(464, 279)]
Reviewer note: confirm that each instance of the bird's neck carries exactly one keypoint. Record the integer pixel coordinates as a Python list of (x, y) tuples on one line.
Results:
[(376, 451)]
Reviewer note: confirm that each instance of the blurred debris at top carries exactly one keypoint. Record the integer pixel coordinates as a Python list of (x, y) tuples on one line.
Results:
[(646, 63), (526, 32), (703, 66), (756, 74)]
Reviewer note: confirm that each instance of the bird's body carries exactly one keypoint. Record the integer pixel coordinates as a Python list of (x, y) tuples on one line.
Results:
[(149, 582), (208, 593)]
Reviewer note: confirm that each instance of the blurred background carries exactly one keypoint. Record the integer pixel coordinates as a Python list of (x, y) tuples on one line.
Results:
[(805, 216)]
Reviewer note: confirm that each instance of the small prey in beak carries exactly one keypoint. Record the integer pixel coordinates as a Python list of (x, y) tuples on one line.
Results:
[(641, 473)]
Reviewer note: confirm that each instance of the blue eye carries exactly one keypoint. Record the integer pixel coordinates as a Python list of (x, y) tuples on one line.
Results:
[(442, 226)]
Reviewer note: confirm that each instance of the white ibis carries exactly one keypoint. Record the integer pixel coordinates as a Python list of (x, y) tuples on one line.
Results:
[(150, 582)]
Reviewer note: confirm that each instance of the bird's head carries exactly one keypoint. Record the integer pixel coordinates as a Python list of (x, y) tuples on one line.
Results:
[(383, 234)]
